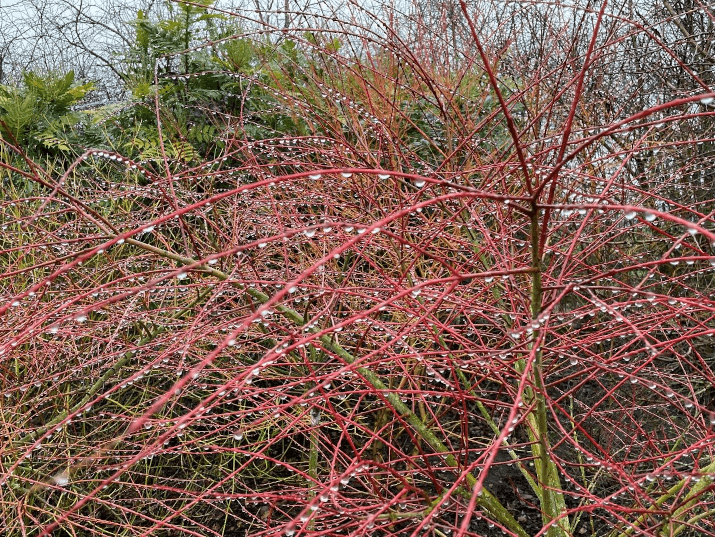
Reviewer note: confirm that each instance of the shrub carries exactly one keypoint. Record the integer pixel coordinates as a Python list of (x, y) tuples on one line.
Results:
[(409, 298)]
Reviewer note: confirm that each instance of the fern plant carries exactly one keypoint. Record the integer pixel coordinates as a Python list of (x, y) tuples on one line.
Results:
[(38, 115)]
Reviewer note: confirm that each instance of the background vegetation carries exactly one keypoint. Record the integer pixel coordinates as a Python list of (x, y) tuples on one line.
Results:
[(438, 270)]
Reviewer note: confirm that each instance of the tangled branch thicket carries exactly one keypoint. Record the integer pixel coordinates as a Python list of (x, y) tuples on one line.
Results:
[(451, 280)]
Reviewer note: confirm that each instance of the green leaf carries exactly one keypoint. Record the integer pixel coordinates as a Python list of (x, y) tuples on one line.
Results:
[(20, 113), (142, 31), (334, 45)]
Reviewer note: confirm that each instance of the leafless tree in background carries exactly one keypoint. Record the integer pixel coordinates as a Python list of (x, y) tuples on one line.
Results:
[(59, 35)]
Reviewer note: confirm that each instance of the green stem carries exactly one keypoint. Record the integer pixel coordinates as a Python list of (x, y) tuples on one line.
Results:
[(675, 523), (553, 505), (486, 499)]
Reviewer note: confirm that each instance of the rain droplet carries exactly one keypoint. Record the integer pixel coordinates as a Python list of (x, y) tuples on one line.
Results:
[(630, 215), (383, 175), (61, 478), (309, 232), (649, 217), (315, 176), (420, 183), (181, 275), (346, 174), (707, 100)]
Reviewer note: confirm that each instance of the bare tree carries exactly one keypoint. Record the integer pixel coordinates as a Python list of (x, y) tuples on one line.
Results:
[(59, 35)]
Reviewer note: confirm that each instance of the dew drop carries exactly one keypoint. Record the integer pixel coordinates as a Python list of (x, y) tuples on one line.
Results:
[(346, 175), (649, 217), (315, 176), (420, 183), (630, 215), (383, 175), (61, 478)]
